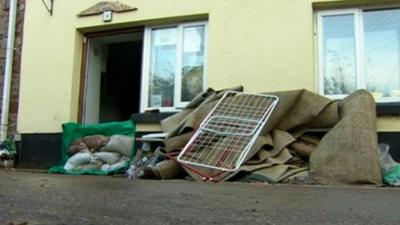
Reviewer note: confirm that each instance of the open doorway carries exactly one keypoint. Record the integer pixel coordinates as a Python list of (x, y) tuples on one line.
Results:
[(112, 77)]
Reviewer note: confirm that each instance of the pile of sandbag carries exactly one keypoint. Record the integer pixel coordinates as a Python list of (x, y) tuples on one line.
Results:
[(99, 149), (99, 152)]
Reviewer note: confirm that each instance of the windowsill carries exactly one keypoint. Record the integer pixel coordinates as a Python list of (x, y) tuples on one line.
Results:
[(151, 117), (382, 109)]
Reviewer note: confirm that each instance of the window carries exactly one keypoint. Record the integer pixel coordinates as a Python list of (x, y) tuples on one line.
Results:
[(360, 49), (174, 65)]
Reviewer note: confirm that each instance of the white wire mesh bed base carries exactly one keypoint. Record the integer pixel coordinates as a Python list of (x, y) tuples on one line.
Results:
[(227, 134)]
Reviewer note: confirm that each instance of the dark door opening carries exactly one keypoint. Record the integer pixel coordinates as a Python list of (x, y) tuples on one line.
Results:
[(113, 78)]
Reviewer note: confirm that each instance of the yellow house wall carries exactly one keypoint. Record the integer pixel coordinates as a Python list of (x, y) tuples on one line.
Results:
[(263, 45)]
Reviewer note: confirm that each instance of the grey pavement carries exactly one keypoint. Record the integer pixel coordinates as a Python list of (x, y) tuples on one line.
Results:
[(38, 198)]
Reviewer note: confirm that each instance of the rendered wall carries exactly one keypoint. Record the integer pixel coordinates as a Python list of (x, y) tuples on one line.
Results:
[(265, 45)]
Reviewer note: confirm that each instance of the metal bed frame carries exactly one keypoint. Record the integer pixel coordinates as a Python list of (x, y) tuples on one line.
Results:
[(226, 136)]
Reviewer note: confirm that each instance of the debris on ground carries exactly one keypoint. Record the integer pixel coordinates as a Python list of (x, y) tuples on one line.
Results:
[(7, 154), (284, 149), (288, 149), (228, 133)]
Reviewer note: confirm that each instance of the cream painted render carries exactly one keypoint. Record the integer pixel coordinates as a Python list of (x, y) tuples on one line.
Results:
[(265, 45)]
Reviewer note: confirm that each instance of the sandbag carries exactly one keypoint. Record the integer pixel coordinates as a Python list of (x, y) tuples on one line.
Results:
[(74, 132), (348, 153), (120, 144), (115, 166), (77, 160), (76, 147), (107, 157), (94, 164)]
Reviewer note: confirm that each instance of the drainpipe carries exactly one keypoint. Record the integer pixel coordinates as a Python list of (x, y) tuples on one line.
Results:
[(8, 69)]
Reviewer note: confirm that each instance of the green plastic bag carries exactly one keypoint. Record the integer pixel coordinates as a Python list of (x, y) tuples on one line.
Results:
[(10, 147), (75, 131), (392, 177), (390, 169)]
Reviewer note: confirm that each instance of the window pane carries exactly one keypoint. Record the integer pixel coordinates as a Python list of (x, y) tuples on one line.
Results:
[(381, 57), (192, 62), (339, 61), (162, 67)]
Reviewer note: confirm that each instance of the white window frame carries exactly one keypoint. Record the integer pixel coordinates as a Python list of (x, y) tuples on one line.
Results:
[(178, 104), (359, 49)]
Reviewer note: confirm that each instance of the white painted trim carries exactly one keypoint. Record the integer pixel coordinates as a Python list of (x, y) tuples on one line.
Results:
[(178, 72), (336, 12), (359, 49), (336, 97), (320, 75), (178, 77), (320, 34), (144, 100), (179, 103), (205, 66), (316, 53), (88, 48)]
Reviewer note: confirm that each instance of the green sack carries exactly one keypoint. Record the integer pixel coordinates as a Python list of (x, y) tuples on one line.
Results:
[(75, 131), (392, 177), (9, 145), (390, 169)]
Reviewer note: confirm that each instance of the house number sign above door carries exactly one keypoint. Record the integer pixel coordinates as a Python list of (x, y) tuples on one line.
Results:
[(106, 9)]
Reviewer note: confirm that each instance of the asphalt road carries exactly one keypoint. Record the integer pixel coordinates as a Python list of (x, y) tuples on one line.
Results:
[(36, 198)]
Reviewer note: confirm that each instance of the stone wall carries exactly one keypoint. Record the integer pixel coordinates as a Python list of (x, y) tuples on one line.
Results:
[(4, 12)]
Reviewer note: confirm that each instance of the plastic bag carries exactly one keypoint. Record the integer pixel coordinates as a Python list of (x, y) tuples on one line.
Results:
[(390, 169)]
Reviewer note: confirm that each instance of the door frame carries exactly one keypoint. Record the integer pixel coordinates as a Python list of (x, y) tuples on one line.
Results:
[(85, 60)]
